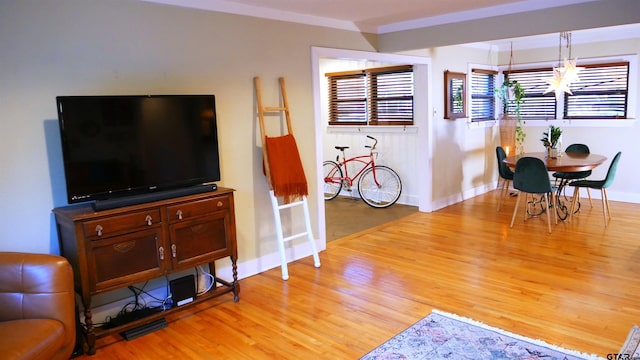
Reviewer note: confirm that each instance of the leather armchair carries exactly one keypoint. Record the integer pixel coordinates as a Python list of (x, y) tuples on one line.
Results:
[(37, 315)]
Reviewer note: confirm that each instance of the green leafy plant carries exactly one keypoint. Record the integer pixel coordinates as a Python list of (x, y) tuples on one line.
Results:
[(551, 137), (457, 98), (511, 93)]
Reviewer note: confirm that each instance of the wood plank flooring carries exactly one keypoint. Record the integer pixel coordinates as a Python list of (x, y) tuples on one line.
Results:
[(577, 287)]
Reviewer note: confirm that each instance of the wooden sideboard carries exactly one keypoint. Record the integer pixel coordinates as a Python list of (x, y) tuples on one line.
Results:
[(116, 248)]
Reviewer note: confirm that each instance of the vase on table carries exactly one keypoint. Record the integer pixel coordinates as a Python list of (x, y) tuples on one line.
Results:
[(552, 152)]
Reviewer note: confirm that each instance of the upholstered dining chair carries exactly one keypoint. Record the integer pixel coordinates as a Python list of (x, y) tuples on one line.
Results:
[(602, 185), (578, 175), (505, 174), (531, 177)]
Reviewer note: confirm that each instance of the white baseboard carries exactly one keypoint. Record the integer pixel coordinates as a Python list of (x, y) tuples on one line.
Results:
[(468, 194)]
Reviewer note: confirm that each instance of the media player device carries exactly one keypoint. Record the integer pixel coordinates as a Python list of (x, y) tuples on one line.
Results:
[(183, 290)]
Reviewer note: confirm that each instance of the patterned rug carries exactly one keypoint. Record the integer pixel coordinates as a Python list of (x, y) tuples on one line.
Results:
[(631, 347), (446, 336)]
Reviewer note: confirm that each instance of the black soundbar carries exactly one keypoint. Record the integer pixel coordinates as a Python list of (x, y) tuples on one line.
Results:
[(107, 204)]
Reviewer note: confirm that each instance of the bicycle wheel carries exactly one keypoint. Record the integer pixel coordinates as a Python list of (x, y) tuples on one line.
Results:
[(332, 179), (380, 188)]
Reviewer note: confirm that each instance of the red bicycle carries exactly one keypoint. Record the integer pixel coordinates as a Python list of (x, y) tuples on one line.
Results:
[(379, 186)]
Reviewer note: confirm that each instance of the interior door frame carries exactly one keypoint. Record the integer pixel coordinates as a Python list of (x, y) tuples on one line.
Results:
[(422, 119)]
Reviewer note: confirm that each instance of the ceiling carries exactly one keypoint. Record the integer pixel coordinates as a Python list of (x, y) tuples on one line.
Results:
[(385, 16), (375, 16)]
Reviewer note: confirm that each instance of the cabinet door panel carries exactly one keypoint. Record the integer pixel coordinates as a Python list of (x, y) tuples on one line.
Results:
[(126, 259), (196, 240)]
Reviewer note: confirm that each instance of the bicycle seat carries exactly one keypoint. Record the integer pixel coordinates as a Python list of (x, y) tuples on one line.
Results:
[(341, 148)]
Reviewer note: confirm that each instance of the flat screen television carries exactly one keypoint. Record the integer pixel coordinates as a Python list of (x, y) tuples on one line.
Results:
[(119, 150)]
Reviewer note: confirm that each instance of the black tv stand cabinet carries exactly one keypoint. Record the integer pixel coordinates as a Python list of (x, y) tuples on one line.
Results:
[(115, 248)]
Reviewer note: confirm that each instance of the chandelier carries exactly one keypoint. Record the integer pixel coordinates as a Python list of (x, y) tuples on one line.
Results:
[(563, 76)]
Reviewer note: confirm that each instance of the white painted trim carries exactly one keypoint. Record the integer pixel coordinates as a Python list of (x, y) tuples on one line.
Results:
[(233, 7)]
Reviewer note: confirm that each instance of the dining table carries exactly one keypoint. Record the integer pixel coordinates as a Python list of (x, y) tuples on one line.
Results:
[(564, 162)]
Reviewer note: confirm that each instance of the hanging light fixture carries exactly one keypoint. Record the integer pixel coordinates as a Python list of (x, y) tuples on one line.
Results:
[(563, 76)]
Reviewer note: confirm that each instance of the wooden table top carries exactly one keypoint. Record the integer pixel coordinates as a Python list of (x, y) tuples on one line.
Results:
[(565, 162)]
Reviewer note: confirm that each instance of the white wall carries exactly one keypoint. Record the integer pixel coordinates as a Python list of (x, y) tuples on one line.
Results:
[(463, 154), (69, 47)]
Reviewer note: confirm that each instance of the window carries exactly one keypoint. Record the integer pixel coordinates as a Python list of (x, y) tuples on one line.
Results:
[(455, 95), (536, 105), (378, 96), (483, 84), (600, 93)]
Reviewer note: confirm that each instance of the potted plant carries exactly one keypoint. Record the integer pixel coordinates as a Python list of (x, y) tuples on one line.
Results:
[(511, 93), (551, 139)]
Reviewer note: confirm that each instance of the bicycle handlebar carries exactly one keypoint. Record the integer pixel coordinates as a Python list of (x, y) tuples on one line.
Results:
[(372, 147)]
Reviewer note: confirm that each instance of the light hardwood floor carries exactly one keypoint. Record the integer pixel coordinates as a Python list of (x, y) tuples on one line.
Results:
[(578, 288)]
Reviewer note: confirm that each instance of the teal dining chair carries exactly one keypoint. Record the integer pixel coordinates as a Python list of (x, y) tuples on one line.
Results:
[(577, 175), (504, 173), (531, 177), (602, 185)]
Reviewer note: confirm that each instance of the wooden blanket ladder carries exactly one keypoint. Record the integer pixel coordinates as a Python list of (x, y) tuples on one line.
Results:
[(278, 206)]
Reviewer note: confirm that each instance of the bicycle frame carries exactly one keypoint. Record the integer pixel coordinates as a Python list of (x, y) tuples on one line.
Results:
[(357, 159)]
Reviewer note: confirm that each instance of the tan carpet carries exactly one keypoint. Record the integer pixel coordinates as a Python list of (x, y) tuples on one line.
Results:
[(346, 216)]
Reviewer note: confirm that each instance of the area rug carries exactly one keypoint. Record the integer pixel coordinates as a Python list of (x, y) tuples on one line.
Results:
[(631, 346), (447, 336)]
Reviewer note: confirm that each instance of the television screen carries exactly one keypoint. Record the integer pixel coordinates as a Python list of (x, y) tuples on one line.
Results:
[(115, 146)]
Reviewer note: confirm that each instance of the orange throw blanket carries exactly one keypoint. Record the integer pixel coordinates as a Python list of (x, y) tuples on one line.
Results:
[(287, 175)]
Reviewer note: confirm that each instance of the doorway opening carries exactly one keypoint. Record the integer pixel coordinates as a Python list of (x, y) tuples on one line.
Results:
[(420, 150)]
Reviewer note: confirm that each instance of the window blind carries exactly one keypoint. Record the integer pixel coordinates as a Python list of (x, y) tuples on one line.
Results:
[(347, 98), (377, 96), (601, 92), (536, 105), (483, 95)]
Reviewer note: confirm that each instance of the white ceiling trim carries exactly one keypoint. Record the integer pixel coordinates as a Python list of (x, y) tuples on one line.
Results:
[(232, 7)]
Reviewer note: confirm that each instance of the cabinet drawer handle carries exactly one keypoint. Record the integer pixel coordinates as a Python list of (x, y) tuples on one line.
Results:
[(161, 252), (179, 213), (99, 230), (220, 204), (149, 220), (174, 250), (124, 247)]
